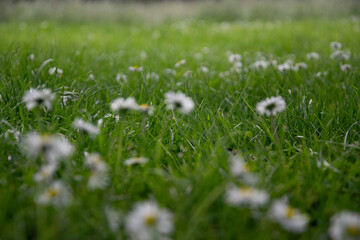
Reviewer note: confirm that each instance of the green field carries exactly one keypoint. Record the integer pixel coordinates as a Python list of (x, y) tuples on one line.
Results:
[(309, 153)]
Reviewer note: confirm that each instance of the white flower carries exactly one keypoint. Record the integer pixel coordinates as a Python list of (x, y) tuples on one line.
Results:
[(204, 69), (121, 77), (147, 221), (285, 67), (124, 104), (152, 76), (340, 55), (187, 73), (238, 196), (34, 98), (345, 67), (146, 108), (236, 67), (51, 147), (288, 217), (239, 168), (179, 101), (136, 68), (57, 194), (170, 71), (312, 55), (345, 225), (54, 70), (113, 218), (136, 160), (271, 106), (88, 128), (180, 63), (46, 172), (224, 74), (99, 177), (31, 57), (335, 45), (300, 65), (233, 58), (260, 64)]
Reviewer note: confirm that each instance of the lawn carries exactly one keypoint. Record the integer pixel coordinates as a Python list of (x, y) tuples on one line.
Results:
[(308, 154)]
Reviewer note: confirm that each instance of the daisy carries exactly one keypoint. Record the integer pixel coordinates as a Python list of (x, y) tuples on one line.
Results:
[(288, 217), (152, 76), (121, 78), (233, 58), (88, 128), (312, 56), (345, 67), (180, 63), (236, 67), (51, 147), (335, 45), (57, 194), (95, 162), (240, 196), (300, 65), (38, 98), (148, 221), (179, 101), (99, 177), (204, 69), (239, 168), (345, 225), (136, 68), (146, 108), (56, 70), (340, 55), (170, 71), (46, 172), (271, 106), (187, 74), (260, 64), (123, 104), (285, 67), (136, 160)]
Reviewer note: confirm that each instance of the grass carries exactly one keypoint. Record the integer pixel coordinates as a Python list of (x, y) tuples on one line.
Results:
[(188, 169)]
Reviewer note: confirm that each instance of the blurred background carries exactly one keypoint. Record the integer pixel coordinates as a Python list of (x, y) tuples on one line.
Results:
[(155, 11)]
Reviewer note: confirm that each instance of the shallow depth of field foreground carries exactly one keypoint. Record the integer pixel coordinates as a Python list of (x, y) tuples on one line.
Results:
[(181, 129)]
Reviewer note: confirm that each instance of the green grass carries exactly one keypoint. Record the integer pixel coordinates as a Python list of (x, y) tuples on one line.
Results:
[(224, 118)]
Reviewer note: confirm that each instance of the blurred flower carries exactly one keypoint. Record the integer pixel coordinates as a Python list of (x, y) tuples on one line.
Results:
[(345, 225), (88, 128), (335, 45), (136, 68), (56, 70), (179, 101), (204, 69), (46, 172), (345, 67), (180, 63), (300, 65), (260, 64), (170, 71), (147, 221), (312, 55), (121, 78), (113, 218), (285, 67), (288, 217), (340, 55), (136, 160), (271, 106), (146, 108), (38, 98), (187, 73), (99, 177), (31, 57), (123, 104), (236, 67), (233, 58), (239, 168), (238, 196), (152, 76), (57, 194), (51, 147)]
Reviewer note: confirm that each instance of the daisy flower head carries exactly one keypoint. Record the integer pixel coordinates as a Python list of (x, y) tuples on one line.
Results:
[(124, 104), (287, 66), (204, 69), (46, 172), (245, 196), (148, 221), (95, 162), (312, 56), (335, 45), (99, 177), (146, 109), (179, 101), (169, 71), (240, 169), (180, 63), (88, 128), (52, 148), (57, 194), (136, 68), (38, 98), (233, 58), (288, 217), (136, 160), (271, 106), (153, 76), (345, 225), (121, 78), (345, 67), (300, 65), (340, 55), (260, 64)]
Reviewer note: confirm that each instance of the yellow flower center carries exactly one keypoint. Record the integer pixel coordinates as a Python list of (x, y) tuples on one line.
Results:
[(353, 230), (136, 66), (53, 193), (290, 212), (150, 220), (144, 106), (246, 190)]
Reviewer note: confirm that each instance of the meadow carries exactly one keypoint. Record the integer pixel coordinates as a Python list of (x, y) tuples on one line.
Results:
[(220, 167)]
